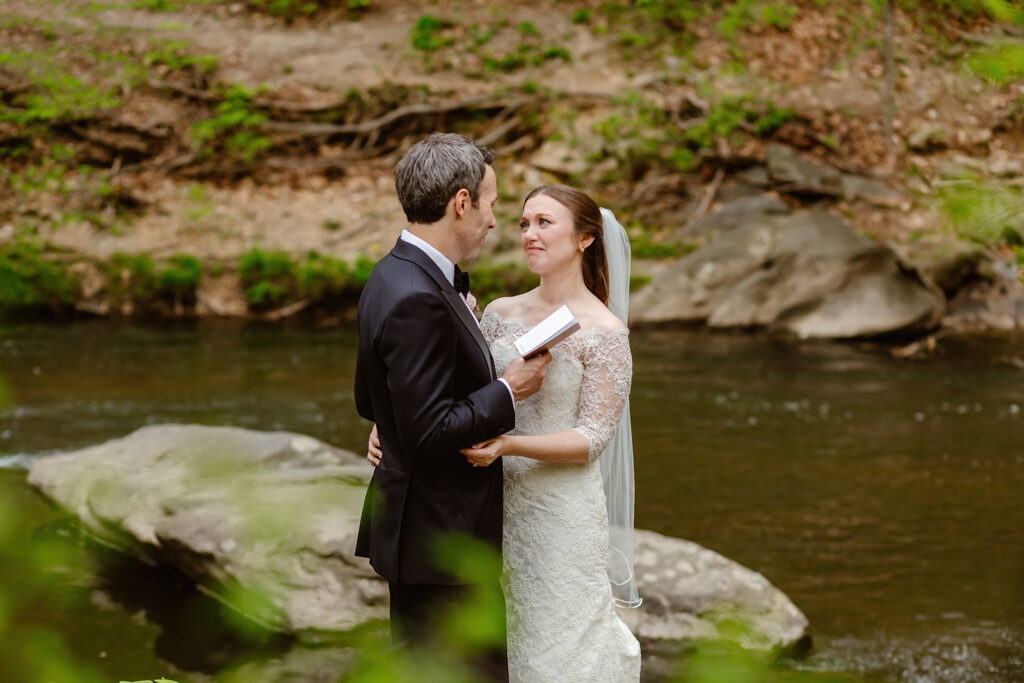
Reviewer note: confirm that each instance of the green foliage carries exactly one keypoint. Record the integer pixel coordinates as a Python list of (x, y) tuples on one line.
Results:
[(39, 561), (180, 279), (641, 135), (744, 13), (157, 5), (29, 281), (638, 282), (272, 279), (426, 34), (172, 54), (735, 113), (53, 93), (268, 278), (990, 213), (330, 282), (50, 176), (582, 16), (671, 14), (293, 9), (131, 277), (528, 29), (234, 128), (999, 65), (493, 281), (1001, 10), (286, 9), (137, 279)]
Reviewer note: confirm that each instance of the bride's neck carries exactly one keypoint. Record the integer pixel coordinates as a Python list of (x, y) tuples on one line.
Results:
[(563, 285)]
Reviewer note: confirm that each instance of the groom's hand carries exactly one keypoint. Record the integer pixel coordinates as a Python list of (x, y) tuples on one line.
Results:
[(526, 376)]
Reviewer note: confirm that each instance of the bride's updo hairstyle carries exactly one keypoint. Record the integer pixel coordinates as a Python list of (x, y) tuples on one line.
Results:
[(586, 218)]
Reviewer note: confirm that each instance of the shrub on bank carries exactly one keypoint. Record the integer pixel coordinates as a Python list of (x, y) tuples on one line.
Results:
[(272, 279), (29, 282)]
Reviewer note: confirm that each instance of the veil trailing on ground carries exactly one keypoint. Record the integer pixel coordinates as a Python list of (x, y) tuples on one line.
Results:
[(617, 460)]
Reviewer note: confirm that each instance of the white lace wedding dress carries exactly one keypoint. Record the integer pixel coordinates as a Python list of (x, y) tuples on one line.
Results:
[(562, 624)]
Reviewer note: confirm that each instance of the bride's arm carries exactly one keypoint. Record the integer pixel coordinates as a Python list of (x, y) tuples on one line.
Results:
[(607, 375)]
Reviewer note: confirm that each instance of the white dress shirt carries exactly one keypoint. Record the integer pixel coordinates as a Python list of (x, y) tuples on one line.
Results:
[(448, 270)]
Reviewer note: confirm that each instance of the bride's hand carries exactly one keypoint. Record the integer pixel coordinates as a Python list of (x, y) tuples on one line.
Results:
[(373, 451), (483, 454)]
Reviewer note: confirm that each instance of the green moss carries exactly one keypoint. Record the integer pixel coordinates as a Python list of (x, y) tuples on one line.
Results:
[(131, 277), (490, 282), (172, 55), (234, 127), (1000, 65), (426, 34), (641, 135), (987, 212), (268, 278), (179, 279), (54, 94), (29, 281), (271, 279)]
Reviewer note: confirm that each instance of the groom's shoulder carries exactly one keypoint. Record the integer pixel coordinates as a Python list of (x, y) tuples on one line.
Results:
[(395, 273)]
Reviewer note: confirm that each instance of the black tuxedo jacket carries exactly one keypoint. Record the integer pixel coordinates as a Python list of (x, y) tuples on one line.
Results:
[(424, 374)]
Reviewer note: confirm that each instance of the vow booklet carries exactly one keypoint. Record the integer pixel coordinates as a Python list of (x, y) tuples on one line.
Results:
[(547, 333)]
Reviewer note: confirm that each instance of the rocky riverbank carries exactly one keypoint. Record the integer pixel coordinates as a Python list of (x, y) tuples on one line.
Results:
[(181, 159)]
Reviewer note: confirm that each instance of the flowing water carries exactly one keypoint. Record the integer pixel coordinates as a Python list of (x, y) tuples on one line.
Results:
[(884, 497)]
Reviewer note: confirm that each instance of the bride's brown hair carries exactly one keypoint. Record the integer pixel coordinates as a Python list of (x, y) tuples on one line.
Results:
[(586, 218)]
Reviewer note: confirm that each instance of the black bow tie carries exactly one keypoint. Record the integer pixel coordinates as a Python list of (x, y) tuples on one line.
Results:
[(461, 282)]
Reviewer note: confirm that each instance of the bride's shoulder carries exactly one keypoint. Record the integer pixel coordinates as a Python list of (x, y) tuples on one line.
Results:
[(598, 317), (507, 306)]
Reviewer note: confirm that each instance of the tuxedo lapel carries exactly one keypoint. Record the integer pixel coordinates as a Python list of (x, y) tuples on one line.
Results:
[(458, 305), (413, 254)]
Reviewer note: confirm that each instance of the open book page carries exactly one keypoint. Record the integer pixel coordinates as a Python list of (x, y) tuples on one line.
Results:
[(547, 333)]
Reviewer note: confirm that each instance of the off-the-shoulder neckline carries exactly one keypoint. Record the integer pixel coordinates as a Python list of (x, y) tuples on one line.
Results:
[(527, 328)]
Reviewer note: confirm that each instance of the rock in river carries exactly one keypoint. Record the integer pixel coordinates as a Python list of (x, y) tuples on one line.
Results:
[(278, 512), (807, 274)]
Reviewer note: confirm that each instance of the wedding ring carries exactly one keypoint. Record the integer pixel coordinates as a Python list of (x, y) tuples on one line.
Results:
[(474, 464)]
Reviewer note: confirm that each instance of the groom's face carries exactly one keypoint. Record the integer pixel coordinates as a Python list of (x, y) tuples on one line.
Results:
[(472, 229)]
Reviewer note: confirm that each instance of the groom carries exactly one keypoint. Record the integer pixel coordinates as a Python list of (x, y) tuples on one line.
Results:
[(425, 376)]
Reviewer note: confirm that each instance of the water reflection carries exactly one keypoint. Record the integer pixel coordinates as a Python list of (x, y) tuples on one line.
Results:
[(881, 495)]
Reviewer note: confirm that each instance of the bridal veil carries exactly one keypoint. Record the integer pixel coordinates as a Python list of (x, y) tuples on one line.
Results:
[(617, 460)]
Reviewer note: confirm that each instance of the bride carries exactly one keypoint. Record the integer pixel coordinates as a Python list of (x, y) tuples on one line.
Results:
[(568, 466)]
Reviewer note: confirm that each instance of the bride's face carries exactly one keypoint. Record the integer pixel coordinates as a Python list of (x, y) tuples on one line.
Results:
[(549, 235)]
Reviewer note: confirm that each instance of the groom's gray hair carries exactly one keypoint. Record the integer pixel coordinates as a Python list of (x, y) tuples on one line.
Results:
[(434, 169)]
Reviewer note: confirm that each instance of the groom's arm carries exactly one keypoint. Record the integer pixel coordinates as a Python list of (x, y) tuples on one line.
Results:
[(364, 405), (418, 345)]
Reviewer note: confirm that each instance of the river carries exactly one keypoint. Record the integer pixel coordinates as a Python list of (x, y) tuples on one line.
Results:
[(883, 496)]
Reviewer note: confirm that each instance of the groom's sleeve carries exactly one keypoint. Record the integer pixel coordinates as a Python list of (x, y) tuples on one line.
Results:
[(364, 405), (418, 345)]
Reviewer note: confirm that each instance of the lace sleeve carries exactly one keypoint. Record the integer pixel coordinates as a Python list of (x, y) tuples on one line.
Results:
[(607, 375)]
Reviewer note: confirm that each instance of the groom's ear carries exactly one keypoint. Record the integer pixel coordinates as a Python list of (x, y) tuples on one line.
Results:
[(461, 202)]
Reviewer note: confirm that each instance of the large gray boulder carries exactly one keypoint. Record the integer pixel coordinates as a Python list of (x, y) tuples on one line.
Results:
[(689, 592), (277, 513), (271, 513), (807, 274)]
